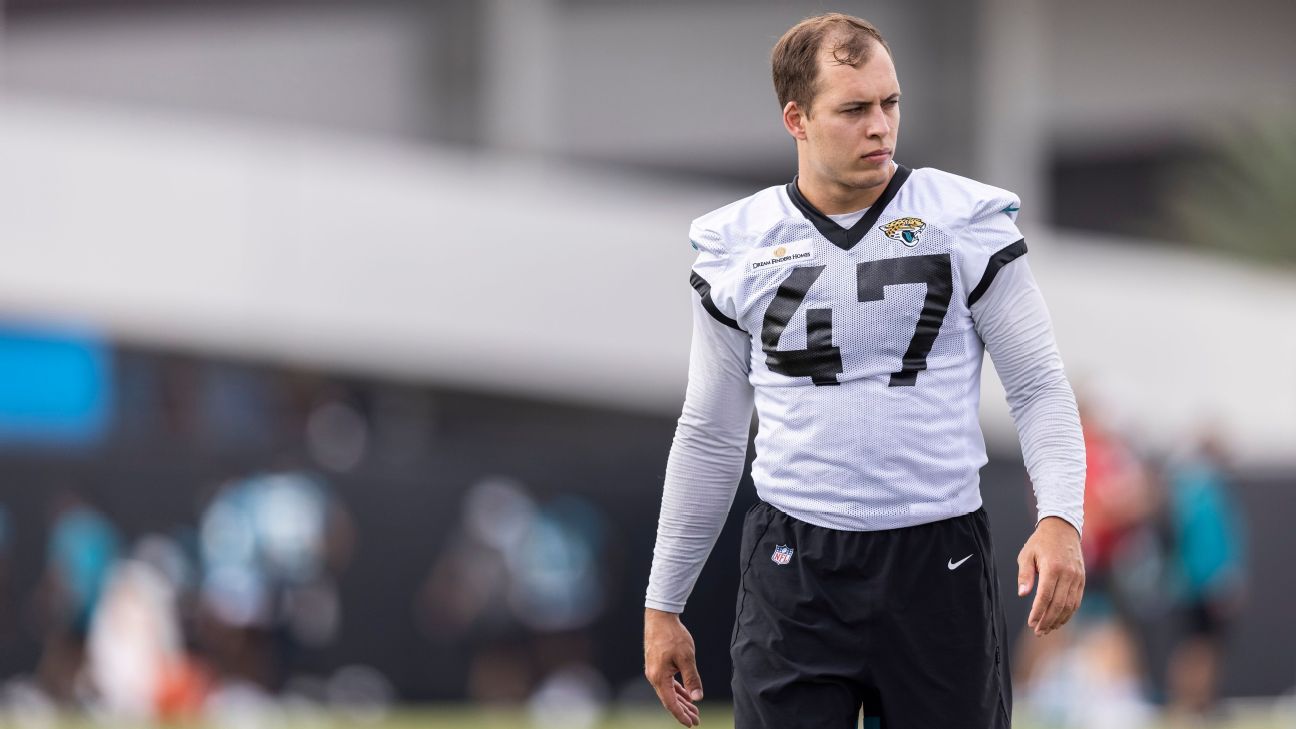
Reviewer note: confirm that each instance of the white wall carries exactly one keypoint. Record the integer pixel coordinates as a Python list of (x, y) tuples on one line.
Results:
[(483, 271), (392, 259)]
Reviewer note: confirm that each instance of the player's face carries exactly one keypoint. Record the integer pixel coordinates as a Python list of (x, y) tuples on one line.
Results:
[(850, 133)]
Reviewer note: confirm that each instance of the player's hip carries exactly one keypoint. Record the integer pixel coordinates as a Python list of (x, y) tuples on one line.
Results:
[(912, 612), (874, 499)]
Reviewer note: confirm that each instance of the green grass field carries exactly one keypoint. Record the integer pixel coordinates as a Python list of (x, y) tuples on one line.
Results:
[(714, 716), (1258, 716)]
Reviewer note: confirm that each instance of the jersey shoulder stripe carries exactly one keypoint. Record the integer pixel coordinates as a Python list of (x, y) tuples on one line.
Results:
[(1003, 257), (704, 290)]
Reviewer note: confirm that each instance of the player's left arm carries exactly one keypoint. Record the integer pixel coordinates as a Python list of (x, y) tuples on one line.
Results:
[(1011, 318)]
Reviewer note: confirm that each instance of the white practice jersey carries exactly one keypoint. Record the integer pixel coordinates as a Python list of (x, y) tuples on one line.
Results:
[(861, 347)]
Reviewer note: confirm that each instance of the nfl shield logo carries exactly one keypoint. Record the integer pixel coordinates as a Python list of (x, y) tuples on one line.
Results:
[(782, 554)]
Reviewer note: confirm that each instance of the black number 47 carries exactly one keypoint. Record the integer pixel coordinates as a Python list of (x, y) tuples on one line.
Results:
[(820, 360)]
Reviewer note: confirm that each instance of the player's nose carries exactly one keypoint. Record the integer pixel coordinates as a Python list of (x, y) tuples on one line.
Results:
[(877, 124)]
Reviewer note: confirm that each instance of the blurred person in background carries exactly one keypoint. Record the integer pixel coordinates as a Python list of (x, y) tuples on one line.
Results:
[(137, 659), (463, 604), (1209, 568), (518, 585), (1121, 506), (868, 575), (273, 546), (82, 549)]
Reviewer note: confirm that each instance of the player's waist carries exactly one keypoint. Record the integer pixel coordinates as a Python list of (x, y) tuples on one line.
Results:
[(864, 514)]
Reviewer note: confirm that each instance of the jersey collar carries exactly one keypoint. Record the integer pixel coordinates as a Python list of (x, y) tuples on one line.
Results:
[(846, 238)]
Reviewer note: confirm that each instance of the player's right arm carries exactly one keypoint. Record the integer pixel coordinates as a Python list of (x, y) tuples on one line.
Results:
[(702, 473)]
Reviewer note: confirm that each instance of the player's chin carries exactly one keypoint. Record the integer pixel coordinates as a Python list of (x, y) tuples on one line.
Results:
[(868, 177)]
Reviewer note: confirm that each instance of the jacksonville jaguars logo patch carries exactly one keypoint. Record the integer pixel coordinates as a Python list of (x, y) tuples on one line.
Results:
[(905, 230)]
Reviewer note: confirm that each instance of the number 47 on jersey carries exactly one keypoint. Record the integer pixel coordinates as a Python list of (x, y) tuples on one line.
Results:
[(820, 360)]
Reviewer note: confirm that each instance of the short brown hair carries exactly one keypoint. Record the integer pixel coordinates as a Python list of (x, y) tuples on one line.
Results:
[(795, 58)]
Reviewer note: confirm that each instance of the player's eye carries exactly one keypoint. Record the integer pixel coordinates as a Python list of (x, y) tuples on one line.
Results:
[(891, 102), (852, 110)]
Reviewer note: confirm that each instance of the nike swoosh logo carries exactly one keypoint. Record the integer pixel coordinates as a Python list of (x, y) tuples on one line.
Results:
[(954, 565)]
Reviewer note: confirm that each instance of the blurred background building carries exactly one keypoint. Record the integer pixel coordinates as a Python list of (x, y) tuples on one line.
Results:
[(414, 273)]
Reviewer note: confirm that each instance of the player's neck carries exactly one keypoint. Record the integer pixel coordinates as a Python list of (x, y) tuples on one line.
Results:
[(833, 198)]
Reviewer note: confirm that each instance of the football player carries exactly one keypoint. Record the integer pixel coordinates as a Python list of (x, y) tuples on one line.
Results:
[(851, 308)]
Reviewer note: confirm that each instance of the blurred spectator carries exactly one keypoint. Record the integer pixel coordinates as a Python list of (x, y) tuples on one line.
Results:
[(1209, 567), (273, 546), (519, 584), (83, 546), (1097, 648), (136, 657)]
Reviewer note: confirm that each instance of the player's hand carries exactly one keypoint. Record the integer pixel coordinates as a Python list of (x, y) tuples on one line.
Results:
[(1052, 552), (668, 650)]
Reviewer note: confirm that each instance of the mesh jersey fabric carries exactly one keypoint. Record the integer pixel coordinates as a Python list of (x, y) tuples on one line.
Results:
[(863, 423)]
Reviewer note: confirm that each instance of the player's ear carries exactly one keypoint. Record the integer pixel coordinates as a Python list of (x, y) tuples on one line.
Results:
[(794, 120)]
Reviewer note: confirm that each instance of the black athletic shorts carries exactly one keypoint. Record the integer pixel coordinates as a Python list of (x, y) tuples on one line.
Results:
[(906, 623)]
